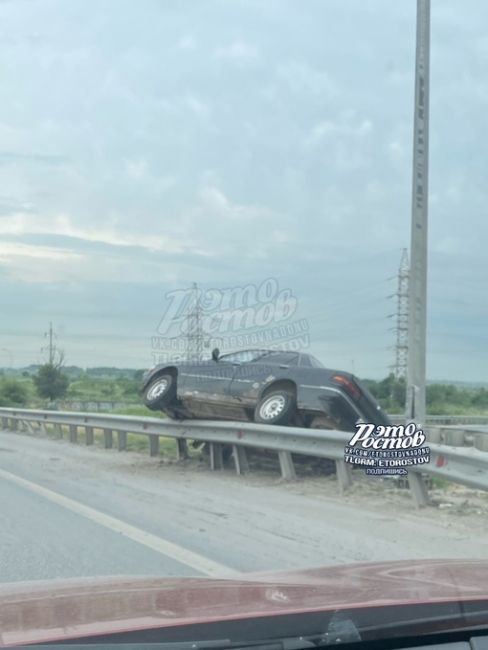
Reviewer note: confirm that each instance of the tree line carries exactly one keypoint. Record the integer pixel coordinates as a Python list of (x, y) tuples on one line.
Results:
[(441, 398), (50, 383)]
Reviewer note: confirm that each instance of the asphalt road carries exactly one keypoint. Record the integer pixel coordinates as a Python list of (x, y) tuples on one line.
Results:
[(68, 511)]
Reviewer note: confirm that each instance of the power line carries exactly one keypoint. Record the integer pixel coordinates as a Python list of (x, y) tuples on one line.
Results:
[(194, 329), (51, 347), (402, 318)]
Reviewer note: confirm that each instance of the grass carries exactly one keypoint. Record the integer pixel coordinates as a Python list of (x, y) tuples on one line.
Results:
[(440, 483), (139, 411)]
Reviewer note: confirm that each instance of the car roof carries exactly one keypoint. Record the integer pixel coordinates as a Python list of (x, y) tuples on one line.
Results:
[(301, 355)]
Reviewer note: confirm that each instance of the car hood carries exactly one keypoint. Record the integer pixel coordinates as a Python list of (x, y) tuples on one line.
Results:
[(38, 612)]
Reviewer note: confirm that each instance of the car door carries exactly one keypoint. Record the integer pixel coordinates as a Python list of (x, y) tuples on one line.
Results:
[(249, 378), (206, 380)]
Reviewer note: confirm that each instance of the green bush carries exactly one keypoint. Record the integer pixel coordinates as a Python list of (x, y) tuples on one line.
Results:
[(50, 382), (13, 393)]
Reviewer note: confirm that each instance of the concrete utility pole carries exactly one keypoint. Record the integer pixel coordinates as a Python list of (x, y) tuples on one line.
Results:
[(415, 407)]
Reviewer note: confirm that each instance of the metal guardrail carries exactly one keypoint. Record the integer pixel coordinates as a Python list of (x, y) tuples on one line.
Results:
[(446, 419), (466, 466)]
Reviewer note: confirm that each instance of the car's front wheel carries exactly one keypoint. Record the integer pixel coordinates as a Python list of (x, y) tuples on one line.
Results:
[(277, 407), (160, 392)]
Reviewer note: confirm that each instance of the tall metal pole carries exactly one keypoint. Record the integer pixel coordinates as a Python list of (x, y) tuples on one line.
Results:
[(418, 244), (51, 350), (402, 317)]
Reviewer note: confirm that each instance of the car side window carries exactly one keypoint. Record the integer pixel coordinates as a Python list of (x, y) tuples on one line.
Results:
[(244, 356), (288, 358)]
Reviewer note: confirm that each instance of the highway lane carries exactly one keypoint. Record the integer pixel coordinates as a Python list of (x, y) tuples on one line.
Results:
[(39, 540), (67, 510)]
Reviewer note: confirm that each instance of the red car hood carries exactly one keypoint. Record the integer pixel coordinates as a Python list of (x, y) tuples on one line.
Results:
[(65, 609)]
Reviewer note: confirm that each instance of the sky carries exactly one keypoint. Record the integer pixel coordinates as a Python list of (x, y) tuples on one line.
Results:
[(261, 149)]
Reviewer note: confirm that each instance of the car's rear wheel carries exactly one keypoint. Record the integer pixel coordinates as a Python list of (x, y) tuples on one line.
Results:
[(276, 407), (160, 392)]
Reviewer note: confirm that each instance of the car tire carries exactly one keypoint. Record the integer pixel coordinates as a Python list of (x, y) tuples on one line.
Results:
[(276, 407), (160, 392)]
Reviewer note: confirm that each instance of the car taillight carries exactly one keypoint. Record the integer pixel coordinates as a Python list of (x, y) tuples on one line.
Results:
[(348, 385)]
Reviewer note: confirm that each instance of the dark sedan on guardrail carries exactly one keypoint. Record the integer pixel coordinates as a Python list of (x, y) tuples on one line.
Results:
[(265, 386)]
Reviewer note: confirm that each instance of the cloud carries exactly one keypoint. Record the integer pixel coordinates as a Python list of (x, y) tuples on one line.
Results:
[(216, 203), (238, 51), (25, 224), (327, 129), (197, 106), (136, 168), (37, 264), (396, 150), (447, 246), (11, 158), (16, 249), (139, 171), (305, 79), (11, 205), (187, 42)]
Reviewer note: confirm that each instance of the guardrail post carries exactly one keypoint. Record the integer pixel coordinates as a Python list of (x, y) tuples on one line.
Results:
[(481, 441), (4, 423), (434, 434), (108, 438), (14, 424), (153, 445), (286, 465), (418, 489), (121, 440), (216, 456), (58, 428), (240, 459), (89, 435), (27, 426), (73, 433), (181, 449), (454, 438), (344, 475)]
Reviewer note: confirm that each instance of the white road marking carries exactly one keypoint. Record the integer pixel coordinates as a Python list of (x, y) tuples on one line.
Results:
[(155, 543)]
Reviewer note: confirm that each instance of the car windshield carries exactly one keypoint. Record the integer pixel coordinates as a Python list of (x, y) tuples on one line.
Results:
[(243, 323)]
